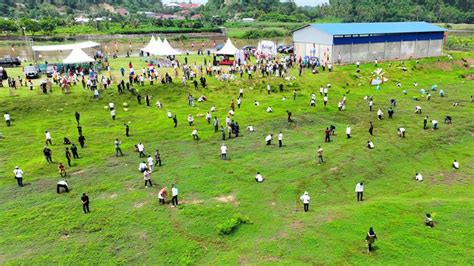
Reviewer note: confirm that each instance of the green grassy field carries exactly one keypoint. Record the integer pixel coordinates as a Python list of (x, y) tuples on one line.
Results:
[(126, 224)]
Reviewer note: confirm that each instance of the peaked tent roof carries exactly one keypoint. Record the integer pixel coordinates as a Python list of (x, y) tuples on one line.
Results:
[(61, 47), (77, 56), (149, 48), (376, 28), (167, 49), (228, 49)]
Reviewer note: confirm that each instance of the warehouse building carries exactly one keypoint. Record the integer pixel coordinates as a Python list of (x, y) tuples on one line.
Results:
[(364, 42)]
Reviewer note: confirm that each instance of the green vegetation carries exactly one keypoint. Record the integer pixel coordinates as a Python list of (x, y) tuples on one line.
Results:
[(460, 43), (127, 226)]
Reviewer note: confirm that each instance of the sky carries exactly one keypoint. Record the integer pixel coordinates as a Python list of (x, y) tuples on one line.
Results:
[(298, 2)]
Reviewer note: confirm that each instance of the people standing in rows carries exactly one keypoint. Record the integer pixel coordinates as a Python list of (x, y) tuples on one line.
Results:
[(82, 140), (75, 155)]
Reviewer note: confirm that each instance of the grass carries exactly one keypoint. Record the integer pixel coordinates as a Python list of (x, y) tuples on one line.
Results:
[(127, 225)]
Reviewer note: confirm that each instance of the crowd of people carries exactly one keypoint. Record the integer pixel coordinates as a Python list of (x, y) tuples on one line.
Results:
[(228, 127)]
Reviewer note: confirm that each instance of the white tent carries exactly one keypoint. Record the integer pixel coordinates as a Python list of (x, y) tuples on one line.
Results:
[(228, 49), (77, 56), (82, 45), (151, 46), (266, 48), (167, 49)]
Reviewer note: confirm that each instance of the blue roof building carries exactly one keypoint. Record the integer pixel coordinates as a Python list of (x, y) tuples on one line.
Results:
[(352, 42)]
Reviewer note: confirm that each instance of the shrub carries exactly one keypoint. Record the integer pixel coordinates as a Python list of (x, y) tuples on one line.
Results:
[(232, 224)]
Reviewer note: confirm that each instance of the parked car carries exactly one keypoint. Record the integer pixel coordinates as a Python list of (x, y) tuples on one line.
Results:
[(31, 72), (289, 50), (280, 48), (8, 61), (219, 46), (249, 48), (49, 70)]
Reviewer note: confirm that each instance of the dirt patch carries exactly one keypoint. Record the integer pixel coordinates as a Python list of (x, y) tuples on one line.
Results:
[(449, 178), (142, 236), (77, 172), (443, 66), (471, 76), (334, 168), (192, 201), (296, 225), (139, 204), (227, 199), (113, 196), (64, 236)]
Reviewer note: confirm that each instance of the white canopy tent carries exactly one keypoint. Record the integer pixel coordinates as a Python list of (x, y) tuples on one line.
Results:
[(228, 49), (62, 47), (167, 49), (266, 49), (151, 47), (77, 56)]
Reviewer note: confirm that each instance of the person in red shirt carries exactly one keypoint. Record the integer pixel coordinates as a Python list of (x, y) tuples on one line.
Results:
[(62, 170), (162, 195), (327, 135)]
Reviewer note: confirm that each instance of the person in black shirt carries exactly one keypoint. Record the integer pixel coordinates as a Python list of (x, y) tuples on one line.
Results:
[(127, 130), (371, 129), (175, 121), (289, 116), (425, 122), (78, 117), (74, 151), (85, 203), (68, 156), (81, 140), (79, 129), (139, 99), (47, 154)]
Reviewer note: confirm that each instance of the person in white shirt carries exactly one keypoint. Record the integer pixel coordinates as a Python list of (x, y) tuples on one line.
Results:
[(325, 99), (112, 114), (208, 118), (269, 89), (141, 150), (169, 114), (269, 109), (379, 114), (325, 91), (321, 90), (348, 132), (48, 138), (418, 109), (371, 103), (370, 145), (62, 185), (194, 133), (401, 132), (174, 196), (190, 119), (228, 120), (456, 164), (18, 176), (241, 93), (142, 166), (223, 152), (147, 177), (259, 178), (250, 129), (213, 109), (280, 139), (150, 163), (256, 103), (111, 106), (305, 198), (312, 103), (96, 94), (360, 191), (268, 139), (434, 124), (418, 177), (7, 119)]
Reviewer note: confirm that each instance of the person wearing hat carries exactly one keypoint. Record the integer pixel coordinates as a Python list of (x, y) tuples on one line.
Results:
[(18, 176), (305, 198)]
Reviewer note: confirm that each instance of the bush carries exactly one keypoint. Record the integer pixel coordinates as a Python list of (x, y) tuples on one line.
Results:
[(232, 224), (255, 34)]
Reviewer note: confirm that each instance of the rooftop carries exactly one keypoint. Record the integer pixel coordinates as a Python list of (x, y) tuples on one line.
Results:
[(376, 28)]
